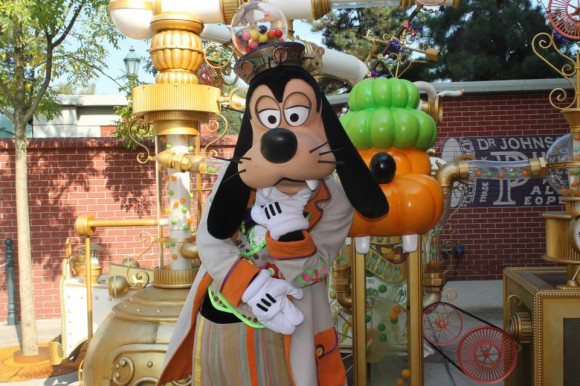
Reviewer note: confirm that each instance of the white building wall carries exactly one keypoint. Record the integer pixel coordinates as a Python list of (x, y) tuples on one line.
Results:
[(81, 116)]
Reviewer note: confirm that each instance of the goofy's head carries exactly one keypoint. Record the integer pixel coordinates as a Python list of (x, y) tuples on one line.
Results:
[(290, 139)]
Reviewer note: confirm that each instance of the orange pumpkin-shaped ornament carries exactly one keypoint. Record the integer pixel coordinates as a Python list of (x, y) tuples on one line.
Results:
[(391, 134)]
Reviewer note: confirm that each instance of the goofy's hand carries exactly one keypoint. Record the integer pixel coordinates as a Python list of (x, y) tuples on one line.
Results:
[(280, 213), (268, 298)]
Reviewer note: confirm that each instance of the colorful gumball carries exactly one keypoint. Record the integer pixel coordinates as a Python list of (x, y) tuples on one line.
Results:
[(253, 44)]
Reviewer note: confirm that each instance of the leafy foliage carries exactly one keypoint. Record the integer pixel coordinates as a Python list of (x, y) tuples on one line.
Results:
[(488, 40), (479, 40), (40, 41), (344, 30)]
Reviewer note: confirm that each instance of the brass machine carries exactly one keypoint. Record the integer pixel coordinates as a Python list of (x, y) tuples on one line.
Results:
[(542, 305), (129, 347)]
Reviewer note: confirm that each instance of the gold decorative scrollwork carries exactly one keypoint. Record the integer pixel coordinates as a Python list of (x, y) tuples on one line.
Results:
[(510, 301), (448, 263), (140, 277), (137, 130), (398, 56), (214, 127), (221, 57), (449, 294), (124, 371), (569, 71), (235, 101), (146, 237)]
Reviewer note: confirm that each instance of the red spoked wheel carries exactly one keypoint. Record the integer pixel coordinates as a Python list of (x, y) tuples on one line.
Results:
[(487, 354), (442, 324), (564, 16)]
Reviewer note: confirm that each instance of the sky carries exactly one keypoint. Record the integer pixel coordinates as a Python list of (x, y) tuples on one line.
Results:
[(116, 66)]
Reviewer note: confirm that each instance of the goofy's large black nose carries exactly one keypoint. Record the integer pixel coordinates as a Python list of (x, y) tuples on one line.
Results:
[(278, 145)]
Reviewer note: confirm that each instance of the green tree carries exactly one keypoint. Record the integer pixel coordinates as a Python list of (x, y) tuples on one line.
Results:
[(487, 40), (345, 30), (40, 41)]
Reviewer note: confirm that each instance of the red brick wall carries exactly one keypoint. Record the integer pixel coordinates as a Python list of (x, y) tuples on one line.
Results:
[(69, 177), (98, 176), (495, 238)]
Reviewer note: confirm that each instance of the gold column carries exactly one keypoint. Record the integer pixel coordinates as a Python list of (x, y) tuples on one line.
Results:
[(358, 318), (415, 319), (89, 284)]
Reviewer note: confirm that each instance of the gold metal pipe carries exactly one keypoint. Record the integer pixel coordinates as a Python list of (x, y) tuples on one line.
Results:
[(358, 318), (86, 225), (452, 171), (89, 284), (538, 168), (198, 183), (433, 105), (459, 170), (183, 162), (159, 193), (415, 332)]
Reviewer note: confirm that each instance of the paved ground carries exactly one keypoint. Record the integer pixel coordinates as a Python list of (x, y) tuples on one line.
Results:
[(482, 298)]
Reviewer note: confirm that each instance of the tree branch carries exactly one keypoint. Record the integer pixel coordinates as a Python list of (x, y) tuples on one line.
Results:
[(70, 25), (44, 86), (98, 69), (7, 113)]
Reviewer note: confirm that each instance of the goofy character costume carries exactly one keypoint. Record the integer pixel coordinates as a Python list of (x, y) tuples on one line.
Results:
[(258, 312)]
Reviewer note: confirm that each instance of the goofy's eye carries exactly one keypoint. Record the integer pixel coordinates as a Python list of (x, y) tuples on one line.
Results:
[(297, 115), (269, 118)]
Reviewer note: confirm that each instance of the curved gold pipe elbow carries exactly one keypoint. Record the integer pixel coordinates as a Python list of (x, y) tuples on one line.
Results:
[(451, 172), (433, 105)]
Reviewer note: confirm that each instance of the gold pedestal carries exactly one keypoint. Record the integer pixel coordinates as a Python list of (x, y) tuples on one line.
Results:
[(545, 320), (129, 347)]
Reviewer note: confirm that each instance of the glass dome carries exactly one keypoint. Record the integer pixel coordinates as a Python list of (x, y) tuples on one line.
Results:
[(258, 23), (563, 178)]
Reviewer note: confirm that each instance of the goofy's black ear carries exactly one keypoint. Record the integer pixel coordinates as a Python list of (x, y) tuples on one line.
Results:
[(231, 198), (362, 190)]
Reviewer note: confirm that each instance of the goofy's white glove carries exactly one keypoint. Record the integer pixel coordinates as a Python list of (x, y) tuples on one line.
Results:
[(280, 213), (268, 298)]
